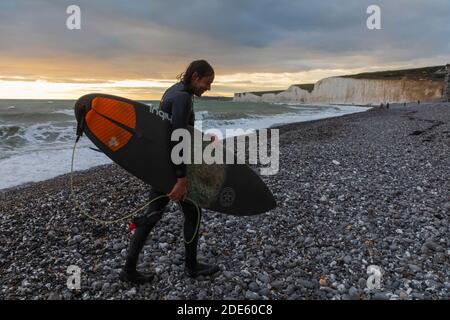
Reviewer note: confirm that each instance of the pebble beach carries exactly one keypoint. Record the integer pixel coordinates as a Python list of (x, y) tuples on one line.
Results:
[(360, 190)]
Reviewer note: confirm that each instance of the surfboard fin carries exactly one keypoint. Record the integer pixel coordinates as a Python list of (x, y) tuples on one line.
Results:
[(95, 149)]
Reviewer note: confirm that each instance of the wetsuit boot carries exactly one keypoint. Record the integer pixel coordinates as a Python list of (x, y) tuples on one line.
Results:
[(195, 268), (143, 227), (192, 219)]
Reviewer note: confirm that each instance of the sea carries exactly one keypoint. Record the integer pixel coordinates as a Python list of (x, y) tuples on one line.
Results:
[(37, 136)]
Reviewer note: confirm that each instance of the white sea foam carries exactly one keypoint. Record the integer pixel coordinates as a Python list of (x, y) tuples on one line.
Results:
[(47, 133), (69, 112), (201, 115), (46, 164), (45, 148)]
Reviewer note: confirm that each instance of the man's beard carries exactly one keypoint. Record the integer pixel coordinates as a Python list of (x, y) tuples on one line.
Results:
[(198, 93)]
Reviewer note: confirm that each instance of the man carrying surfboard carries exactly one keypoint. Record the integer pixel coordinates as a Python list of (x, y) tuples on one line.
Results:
[(177, 101)]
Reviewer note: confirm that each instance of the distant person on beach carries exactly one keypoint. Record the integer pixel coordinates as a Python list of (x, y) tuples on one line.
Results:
[(418, 101), (387, 105), (177, 101), (381, 106)]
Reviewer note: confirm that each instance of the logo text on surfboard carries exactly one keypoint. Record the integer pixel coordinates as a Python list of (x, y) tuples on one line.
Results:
[(163, 115)]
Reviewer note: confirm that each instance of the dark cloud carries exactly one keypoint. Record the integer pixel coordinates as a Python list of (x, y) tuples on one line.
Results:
[(149, 38)]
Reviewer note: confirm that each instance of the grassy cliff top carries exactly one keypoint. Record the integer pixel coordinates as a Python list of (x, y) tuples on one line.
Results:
[(427, 73), (260, 93), (305, 86)]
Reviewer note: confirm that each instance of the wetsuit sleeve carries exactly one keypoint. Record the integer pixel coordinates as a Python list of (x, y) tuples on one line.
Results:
[(181, 112)]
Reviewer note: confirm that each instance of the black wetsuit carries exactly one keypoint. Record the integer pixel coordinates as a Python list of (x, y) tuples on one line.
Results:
[(177, 102)]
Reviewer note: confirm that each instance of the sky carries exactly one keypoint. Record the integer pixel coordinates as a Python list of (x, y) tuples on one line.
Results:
[(136, 48)]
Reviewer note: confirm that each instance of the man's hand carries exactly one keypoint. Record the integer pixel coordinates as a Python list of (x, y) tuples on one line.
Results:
[(179, 190), (213, 137)]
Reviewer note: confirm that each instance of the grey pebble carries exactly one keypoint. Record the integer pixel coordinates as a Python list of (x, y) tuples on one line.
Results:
[(277, 284), (263, 278), (253, 286), (53, 296), (414, 268), (251, 295), (347, 259), (380, 296)]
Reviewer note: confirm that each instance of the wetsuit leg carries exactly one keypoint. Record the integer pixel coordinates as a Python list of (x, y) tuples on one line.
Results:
[(144, 224), (192, 218)]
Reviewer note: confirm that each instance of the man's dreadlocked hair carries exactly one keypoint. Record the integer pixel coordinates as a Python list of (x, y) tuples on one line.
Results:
[(202, 67)]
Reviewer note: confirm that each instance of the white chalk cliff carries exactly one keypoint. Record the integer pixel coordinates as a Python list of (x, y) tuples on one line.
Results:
[(347, 90)]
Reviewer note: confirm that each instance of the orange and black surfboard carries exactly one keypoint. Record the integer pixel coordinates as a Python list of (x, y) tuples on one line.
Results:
[(137, 138)]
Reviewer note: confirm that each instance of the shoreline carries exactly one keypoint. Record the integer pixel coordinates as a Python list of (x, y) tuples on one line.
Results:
[(32, 183), (362, 189)]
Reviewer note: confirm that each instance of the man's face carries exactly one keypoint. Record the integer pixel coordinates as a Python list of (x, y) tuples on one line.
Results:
[(200, 85)]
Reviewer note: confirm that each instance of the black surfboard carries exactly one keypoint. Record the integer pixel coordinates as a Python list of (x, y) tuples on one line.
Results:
[(137, 138)]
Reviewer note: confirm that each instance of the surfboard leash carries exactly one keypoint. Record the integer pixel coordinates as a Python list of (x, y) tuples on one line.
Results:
[(106, 222)]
